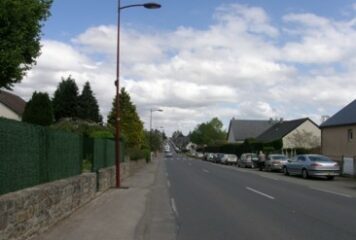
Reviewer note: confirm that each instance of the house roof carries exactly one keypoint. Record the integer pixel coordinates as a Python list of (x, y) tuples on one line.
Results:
[(245, 129), (13, 102), (281, 129), (346, 116)]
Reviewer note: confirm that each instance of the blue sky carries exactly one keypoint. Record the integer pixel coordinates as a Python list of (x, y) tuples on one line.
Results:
[(197, 59), (71, 17)]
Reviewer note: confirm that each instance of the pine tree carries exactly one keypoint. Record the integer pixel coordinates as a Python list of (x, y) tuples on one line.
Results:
[(131, 125), (38, 110), (65, 101), (88, 105)]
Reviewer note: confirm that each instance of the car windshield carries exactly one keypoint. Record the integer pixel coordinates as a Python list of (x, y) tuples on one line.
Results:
[(319, 159)]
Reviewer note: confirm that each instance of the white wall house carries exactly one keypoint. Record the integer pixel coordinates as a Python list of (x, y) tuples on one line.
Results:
[(299, 133), (11, 106)]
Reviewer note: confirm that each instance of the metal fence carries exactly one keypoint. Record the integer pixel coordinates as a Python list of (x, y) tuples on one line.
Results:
[(31, 155)]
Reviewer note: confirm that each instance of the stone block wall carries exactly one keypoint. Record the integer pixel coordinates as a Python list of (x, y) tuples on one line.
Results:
[(135, 166), (27, 212), (106, 178)]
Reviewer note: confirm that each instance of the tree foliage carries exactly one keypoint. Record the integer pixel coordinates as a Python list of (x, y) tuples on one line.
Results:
[(208, 133), (20, 31), (304, 139), (38, 110), (154, 140), (88, 108), (65, 101), (130, 123)]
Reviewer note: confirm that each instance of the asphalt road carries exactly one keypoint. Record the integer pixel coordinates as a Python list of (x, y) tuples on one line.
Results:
[(222, 203)]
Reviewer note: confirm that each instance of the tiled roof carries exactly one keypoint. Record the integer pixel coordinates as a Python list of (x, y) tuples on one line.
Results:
[(280, 129), (346, 116), (13, 102), (245, 129)]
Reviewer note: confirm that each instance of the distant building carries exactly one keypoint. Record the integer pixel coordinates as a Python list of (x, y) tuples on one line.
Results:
[(299, 133), (240, 130), (11, 106), (338, 134)]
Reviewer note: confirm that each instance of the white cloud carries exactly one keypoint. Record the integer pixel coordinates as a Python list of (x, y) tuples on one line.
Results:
[(237, 67)]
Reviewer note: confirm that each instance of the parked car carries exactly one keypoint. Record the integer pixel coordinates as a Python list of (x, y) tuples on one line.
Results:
[(248, 160), (312, 165), (199, 155), (229, 159), (218, 157), (209, 157), (275, 162)]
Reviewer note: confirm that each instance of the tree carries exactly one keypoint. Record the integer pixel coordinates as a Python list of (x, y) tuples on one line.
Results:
[(38, 110), (304, 139), (208, 133), (65, 101), (20, 31), (153, 140), (88, 108), (131, 125)]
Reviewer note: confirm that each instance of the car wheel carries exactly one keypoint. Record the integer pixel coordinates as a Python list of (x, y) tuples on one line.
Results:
[(285, 171), (305, 174), (330, 177)]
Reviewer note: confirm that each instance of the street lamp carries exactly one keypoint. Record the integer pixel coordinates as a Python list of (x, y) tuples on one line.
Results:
[(152, 110), (149, 5)]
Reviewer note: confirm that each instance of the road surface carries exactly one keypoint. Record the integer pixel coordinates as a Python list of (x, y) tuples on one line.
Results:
[(214, 202)]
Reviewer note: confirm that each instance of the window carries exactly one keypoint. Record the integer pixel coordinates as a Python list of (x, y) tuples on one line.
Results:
[(350, 135), (301, 158)]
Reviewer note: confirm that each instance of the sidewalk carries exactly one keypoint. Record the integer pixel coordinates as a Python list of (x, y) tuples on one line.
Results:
[(121, 214)]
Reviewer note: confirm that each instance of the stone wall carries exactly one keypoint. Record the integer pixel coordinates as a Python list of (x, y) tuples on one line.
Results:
[(27, 212), (107, 176), (135, 166)]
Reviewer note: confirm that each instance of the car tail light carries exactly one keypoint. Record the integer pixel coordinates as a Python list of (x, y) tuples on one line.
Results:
[(315, 165)]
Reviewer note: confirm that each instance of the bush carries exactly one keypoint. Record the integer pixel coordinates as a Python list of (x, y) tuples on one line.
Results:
[(137, 154)]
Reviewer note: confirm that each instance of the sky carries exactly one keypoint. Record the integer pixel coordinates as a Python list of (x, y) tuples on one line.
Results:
[(199, 59)]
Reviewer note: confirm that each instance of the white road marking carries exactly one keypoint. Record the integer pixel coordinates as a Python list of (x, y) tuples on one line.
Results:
[(174, 207), (327, 191), (206, 171), (260, 193), (168, 184)]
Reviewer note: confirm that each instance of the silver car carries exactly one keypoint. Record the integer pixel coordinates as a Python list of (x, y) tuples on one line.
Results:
[(312, 165), (248, 160), (229, 159), (275, 162)]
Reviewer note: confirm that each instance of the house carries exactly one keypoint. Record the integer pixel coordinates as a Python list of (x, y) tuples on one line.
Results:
[(240, 130), (299, 133), (338, 134), (11, 106)]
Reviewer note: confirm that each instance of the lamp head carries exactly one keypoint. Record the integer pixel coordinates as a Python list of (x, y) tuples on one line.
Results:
[(152, 5)]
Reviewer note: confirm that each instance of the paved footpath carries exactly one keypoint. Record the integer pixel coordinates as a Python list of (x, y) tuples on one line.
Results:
[(141, 212)]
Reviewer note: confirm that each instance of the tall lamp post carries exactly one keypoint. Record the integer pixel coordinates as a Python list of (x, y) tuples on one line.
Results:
[(149, 5), (152, 110)]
